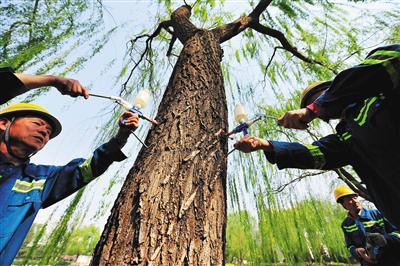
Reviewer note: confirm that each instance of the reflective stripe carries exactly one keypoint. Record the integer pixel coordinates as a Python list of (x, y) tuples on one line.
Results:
[(390, 60), (393, 69), (364, 111), (350, 226), (349, 230), (387, 53), (86, 170), (361, 111), (345, 136), (396, 234), (372, 61), (362, 122), (24, 187), (318, 156), (1, 176), (368, 224)]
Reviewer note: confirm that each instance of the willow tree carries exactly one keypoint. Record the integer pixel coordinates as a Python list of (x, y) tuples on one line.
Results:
[(172, 207), (39, 36)]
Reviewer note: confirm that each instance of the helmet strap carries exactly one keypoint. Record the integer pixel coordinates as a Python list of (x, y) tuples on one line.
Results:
[(8, 143)]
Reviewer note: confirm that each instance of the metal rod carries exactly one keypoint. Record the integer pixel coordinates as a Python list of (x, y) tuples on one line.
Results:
[(100, 96), (231, 151), (139, 139)]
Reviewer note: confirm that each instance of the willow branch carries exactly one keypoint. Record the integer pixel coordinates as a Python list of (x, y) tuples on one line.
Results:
[(296, 180), (230, 30), (150, 37), (353, 183)]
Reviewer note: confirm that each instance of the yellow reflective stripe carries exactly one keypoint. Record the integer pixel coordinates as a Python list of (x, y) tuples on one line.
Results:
[(1, 176), (318, 156), (362, 122), (24, 187), (351, 230), (346, 136), (372, 223), (86, 170), (396, 234), (388, 53), (393, 69), (372, 61), (350, 226), (361, 111)]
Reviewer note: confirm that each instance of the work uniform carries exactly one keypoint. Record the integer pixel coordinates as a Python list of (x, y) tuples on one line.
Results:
[(26, 188), (367, 138), (371, 221)]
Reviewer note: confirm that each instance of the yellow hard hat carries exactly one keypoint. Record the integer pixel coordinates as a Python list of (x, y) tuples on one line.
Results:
[(343, 191), (23, 109), (311, 90)]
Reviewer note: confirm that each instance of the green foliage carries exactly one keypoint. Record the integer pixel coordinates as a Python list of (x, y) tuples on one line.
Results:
[(42, 35), (307, 231), (83, 240)]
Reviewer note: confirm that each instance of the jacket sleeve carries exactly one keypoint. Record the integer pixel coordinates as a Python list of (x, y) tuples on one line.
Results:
[(11, 85), (65, 180), (392, 235), (350, 245), (327, 153), (378, 73)]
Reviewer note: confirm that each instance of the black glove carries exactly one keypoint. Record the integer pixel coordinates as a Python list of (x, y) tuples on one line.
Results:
[(376, 239)]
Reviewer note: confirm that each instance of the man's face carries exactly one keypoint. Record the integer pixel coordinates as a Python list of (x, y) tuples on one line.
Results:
[(32, 132), (352, 204)]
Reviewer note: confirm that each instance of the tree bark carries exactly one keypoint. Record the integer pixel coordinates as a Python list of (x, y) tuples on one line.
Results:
[(172, 207)]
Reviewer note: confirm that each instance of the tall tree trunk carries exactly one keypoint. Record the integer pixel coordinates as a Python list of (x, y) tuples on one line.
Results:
[(172, 207)]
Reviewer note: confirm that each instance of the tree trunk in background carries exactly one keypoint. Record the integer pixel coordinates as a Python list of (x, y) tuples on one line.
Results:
[(172, 207)]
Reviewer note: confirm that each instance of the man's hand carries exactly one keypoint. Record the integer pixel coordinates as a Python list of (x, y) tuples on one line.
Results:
[(70, 87), (297, 119), (64, 85), (363, 254), (250, 143), (127, 121)]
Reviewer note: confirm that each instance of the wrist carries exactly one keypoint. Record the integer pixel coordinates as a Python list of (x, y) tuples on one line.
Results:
[(266, 145), (50, 80)]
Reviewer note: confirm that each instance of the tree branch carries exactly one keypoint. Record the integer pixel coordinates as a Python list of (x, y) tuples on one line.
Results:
[(286, 44), (162, 25), (230, 30), (297, 179)]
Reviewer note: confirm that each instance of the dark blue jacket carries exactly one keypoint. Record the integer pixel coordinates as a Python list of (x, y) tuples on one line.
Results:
[(371, 221), (26, 188), (365, 97)]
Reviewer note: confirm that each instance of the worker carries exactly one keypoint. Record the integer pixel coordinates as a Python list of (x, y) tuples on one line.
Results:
[(369, 236), (25, 188), (365, 98)]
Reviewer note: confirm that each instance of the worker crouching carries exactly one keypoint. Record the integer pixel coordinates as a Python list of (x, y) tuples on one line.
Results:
[(369, 236)]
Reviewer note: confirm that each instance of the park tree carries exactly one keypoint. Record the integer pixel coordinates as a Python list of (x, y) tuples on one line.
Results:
[(172, 206)]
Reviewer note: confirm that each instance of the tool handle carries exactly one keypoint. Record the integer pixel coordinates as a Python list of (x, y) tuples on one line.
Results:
[(142, 116)]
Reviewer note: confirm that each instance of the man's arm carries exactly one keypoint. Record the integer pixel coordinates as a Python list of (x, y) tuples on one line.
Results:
[(327, 153), (65, 180), (378, 73), (14, 84)]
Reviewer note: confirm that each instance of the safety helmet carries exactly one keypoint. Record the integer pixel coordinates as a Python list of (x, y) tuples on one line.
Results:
[(31, 109), (313, 89), (343, 191)]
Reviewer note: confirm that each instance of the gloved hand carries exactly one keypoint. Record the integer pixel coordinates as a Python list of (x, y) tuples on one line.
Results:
[(376, 239)]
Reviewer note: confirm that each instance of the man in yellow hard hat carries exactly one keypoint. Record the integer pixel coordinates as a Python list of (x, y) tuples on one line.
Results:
[(25, 188), (365, 98), (370, 238)]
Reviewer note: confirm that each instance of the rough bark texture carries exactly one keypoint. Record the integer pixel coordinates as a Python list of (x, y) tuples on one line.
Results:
[(172, 207)]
